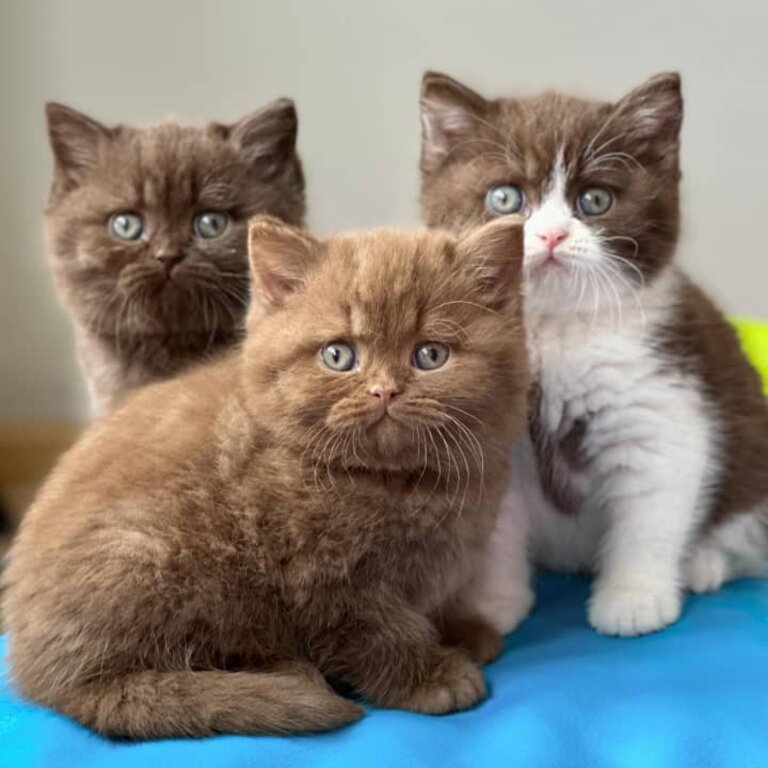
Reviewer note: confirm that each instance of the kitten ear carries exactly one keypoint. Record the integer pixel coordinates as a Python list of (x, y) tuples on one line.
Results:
[(267, 137), (449, 115), (494, 254), (651, 115), (280, 257), (75, 140)]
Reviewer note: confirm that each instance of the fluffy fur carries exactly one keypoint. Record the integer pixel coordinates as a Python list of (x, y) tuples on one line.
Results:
[(145, 308), (649, 428), (224, 541)]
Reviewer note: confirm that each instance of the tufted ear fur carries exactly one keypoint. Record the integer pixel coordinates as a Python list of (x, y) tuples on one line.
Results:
[(280, 256), (267, 138), (494, 254), (649, 117), (449, 115), (75, 140)]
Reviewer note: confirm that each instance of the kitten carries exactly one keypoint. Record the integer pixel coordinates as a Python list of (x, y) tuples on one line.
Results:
[(146, 230), (649, 426), (308, 506)]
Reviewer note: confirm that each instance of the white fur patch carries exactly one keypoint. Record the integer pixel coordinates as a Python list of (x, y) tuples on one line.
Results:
[(648, 451), (590, 275), (501, 590)]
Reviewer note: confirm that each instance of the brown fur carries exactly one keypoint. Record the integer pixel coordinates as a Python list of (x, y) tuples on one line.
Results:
[(134, 321), (703, 343), (631, 147), (223, 541)]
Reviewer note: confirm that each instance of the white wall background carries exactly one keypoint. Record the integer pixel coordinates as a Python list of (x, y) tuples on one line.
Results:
[(354, 67)]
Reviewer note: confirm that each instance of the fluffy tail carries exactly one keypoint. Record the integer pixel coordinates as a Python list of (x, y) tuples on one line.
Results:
[(152, 705)]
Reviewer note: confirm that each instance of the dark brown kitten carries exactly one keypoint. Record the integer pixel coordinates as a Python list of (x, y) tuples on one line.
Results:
[(146, 231), (649, 423), (309, 506)]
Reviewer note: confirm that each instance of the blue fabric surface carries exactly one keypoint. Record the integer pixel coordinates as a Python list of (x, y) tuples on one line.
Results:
[(695, 695)]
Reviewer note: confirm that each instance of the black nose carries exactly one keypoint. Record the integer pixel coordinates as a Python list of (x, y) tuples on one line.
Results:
[(169, 260)]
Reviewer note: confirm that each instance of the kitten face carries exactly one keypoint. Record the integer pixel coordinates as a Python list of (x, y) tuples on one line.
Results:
[(384, 350), (597, 182), (148, 228)]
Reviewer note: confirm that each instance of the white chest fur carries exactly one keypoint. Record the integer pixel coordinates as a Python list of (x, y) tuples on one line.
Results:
[(644, 426), (642, 479)]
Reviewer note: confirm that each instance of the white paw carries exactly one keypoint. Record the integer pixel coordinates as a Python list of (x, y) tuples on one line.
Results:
[(506, 611), (706, 569), (633, 610)]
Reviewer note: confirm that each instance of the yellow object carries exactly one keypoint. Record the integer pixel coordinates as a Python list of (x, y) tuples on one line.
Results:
[(754, 339)]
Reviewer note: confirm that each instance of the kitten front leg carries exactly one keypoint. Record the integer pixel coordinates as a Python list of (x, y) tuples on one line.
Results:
[(390, 654), (651, 517), (500, 590)]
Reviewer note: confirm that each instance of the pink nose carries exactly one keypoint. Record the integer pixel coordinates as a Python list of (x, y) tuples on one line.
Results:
[(385, 394), (553, 238)]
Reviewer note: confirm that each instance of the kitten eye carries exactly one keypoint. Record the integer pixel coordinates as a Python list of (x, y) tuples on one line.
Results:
[(126, 226), (338, 356), (211, 224), (594, 201), (505, 199), (430, 356)]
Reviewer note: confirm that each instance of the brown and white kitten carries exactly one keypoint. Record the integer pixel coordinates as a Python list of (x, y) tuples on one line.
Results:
[(648, 423), (146, 231), (308, 506)]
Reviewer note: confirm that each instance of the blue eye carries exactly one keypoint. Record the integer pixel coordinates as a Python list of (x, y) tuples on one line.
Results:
[(211, 224), (126, 226), (505, 199), (430, 356), (594, 201), (338, 356)]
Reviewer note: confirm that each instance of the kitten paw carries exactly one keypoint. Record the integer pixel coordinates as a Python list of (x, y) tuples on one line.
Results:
[(455, 683), (706, 569), (506, 611), (628, 611)]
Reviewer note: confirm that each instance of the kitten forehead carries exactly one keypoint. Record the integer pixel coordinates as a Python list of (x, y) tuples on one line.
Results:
[(387, 280), (171, 163), (178, 170), (547, 127)]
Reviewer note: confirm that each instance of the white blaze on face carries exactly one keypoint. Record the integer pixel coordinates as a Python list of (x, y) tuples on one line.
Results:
[(553, 217), (560, 253)]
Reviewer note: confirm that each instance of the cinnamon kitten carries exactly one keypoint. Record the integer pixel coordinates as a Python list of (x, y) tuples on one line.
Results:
[(649, 425), (309, 506), (146, 231)]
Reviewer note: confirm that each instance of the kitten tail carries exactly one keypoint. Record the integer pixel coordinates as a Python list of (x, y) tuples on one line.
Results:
[(292, 698)]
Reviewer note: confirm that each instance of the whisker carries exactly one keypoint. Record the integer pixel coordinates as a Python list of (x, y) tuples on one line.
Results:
[(465, 413), (461, 301), (457, 443), (431, 437), (474, 445)]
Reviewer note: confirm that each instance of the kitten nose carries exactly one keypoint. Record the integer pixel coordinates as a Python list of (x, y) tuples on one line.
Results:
[(385, 394), (169, 259), (553, 237)]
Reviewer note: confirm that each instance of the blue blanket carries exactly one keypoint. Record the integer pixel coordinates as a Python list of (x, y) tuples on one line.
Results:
[(694, 696)]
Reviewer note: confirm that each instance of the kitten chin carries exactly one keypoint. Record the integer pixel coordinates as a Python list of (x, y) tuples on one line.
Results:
[(146, 231), (222, 542), (648, 424)]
